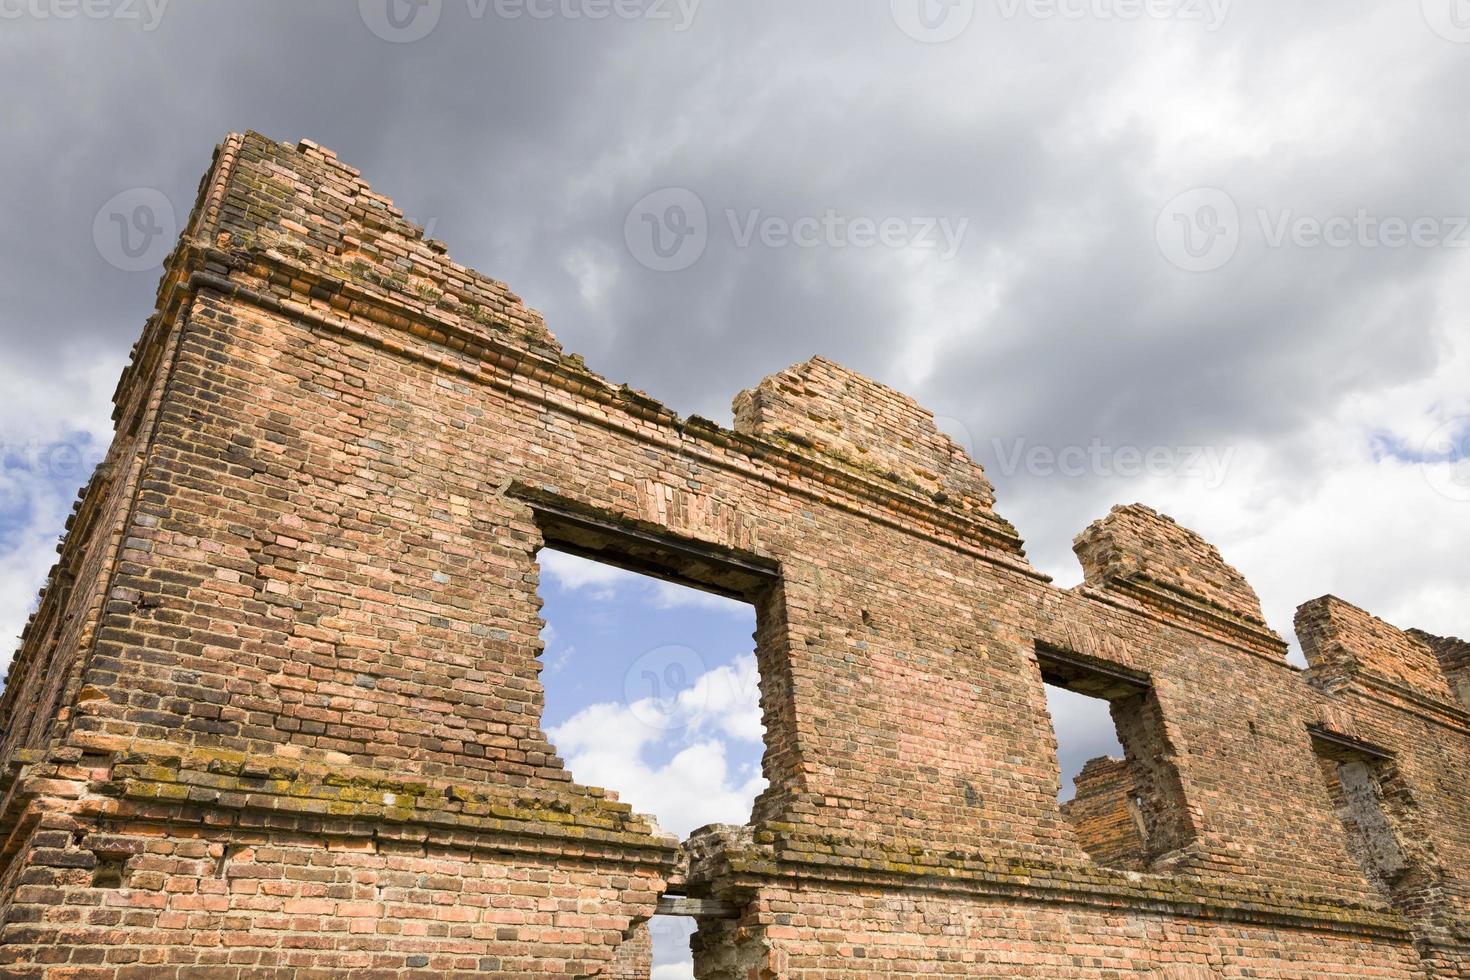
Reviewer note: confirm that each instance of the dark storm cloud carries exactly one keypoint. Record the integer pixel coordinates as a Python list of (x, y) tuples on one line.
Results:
[(523, 142)]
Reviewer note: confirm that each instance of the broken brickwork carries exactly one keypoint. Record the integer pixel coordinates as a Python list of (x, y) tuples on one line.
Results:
[(1454, 657), (634, 957), (278, 712), (1104, 815)]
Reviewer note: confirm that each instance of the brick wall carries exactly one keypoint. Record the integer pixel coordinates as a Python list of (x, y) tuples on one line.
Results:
[(1103, 816), (1341, 641), (634, 959), (1454, 657), (279, 711)]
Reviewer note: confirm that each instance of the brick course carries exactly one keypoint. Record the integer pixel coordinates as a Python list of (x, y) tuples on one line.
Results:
[(278, 713)]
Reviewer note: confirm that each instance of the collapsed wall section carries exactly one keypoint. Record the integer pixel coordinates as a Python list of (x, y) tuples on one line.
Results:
[(1454, 658), (1105, 817)]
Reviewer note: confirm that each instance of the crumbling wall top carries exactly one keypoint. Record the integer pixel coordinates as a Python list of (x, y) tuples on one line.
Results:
[(1137, 546), (1342, 642), (821, 404), (1453, 652), (302, 202)]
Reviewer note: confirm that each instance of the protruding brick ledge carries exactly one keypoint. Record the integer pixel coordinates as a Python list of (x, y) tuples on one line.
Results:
[(729, 862)]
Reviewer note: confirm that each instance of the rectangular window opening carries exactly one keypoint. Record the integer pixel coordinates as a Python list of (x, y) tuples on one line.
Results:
[(650, 670), (1119, 788), (1364, 786), (671, 952), (652, 691)]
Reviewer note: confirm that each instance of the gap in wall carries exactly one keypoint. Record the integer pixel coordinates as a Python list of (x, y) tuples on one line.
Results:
[(652, 693), (1085, 731)]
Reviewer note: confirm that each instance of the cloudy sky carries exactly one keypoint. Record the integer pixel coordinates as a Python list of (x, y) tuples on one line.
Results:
[(1207, 254)]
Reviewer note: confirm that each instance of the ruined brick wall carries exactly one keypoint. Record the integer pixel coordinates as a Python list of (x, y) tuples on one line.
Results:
[(1454, 657), (1103, 816), (1342, 642), (634, 958), (297, 722)]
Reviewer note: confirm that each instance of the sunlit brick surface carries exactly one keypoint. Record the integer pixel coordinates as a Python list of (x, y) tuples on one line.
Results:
[(279, 711)]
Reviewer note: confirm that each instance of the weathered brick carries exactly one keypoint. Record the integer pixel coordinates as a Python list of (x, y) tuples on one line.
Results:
[(278, 713)]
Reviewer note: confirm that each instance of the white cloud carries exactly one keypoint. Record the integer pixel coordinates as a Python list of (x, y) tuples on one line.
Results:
[(574, 573), (557, 658), (55, 427), (1331, 511), (28, 553), (674, 971), (609, 745), (667, 595), (607, 582)]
